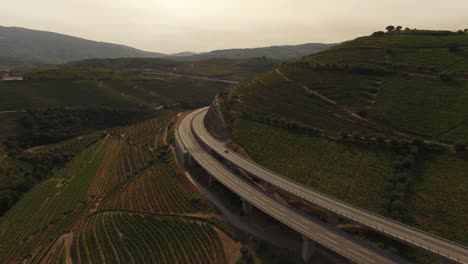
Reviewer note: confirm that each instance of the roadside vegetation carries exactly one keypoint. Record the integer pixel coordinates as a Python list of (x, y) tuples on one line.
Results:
[(379, 121)]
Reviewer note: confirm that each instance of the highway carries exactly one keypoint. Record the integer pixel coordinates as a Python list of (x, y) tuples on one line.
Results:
[(315, 231), (376, 222), (194, 77)]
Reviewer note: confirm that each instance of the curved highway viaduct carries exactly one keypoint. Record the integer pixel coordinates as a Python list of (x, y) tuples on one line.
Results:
[(189, 150), (406, 234)]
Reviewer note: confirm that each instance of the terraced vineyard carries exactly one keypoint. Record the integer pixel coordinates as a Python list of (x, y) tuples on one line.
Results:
[(441, 202), (155, 190), (271, 94), (332, 168), (410, 49), (429, 107), (120, 237), (391, 88), (72, 146), (50, 207), (357, 92), (95, 198), (112, 93)]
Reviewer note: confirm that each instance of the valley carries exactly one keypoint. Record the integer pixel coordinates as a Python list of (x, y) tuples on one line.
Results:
[(356, 153)]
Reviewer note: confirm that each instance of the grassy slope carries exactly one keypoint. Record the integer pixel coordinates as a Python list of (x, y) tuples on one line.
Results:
[(430, 107), (336, 169), (229, 69), (441, 200), (115, 93), (416, 105)]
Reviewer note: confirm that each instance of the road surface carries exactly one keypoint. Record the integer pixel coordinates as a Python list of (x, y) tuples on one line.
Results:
[(193, 77), (326, 236), (379, 223)]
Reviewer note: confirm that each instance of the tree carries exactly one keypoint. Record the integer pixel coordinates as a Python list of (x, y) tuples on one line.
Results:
[(244, 250), (466, 30), (407, 29), (398, 28), (378, 33), (390, 28)]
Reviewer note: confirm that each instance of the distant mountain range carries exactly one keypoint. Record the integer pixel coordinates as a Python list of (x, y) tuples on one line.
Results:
[(47, 47), (286, 52), (26, 47)]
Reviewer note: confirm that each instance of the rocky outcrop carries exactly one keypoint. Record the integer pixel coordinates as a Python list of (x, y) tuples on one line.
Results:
[(215, 123)]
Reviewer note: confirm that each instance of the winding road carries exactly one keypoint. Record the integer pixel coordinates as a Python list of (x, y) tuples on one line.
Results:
[(388, 227), (326, 236)]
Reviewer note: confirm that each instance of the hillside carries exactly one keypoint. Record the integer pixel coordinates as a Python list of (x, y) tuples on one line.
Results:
[(20, 44), (26, 48), (286, 52), (371, 121), (218, 68), (119, 198)]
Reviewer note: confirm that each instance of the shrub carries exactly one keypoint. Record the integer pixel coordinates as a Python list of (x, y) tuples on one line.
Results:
[(378, 33), (418, 142), (380, 139), (460, 147), (357, 137), (344, 134), (196, 197), (445, 77), (454, 47), (244, 250)]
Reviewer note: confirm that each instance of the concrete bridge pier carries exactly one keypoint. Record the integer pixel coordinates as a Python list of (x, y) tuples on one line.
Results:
[(210, 180), (308, 249), (246, 207), (188, 160)]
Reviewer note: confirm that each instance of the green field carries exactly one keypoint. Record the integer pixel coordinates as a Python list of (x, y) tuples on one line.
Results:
[(404, 49), (441, 200), (333, 168), (270, 94), (119, 237), (425, 106), (53, 203), (227, 69), (114, 93), (95, 197), (398, 86), (354, 91)]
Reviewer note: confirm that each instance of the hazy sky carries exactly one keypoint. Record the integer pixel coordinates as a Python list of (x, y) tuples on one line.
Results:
[(203, 25)]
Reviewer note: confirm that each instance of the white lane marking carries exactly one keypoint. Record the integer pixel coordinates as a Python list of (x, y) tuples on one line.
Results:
[(278, 212), (360, 255), (258, 201), (327, 238), (300, 224), (365, 251), (282, 209)]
